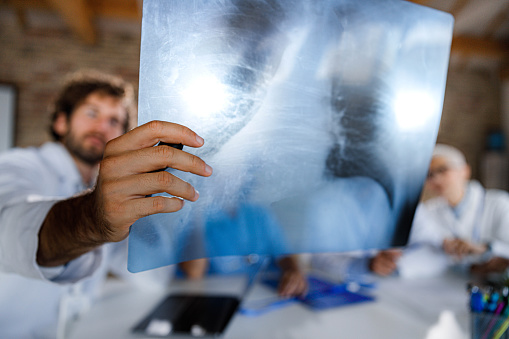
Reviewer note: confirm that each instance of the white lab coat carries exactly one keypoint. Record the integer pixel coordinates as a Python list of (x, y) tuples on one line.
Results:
[(484, 219), (36, 302)]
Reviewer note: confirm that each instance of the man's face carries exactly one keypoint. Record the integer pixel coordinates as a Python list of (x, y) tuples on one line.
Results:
[(446, 180), (99, 119)]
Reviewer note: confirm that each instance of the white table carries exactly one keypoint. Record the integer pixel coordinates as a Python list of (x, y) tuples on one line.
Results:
[(403, 309)]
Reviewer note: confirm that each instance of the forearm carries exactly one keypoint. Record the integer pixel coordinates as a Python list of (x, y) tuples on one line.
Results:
[(128, 176), (289, 263), (194, 269), (70, 229), (292, 282)]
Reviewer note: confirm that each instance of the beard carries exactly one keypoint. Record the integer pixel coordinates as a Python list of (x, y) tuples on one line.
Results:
[(90, 155)]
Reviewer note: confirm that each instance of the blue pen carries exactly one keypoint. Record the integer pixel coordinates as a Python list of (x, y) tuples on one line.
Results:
[(261, 306), (491, 306), (477, 301)]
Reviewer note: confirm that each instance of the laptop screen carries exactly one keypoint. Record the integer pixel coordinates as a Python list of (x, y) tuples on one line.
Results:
[(189, 314)]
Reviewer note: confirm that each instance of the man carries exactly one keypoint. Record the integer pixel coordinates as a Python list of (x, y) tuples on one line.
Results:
[(467, 222), (51, 253)]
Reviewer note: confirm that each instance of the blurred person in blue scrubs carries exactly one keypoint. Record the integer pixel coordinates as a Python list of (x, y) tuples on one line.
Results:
[(465, 222), (64, 218)]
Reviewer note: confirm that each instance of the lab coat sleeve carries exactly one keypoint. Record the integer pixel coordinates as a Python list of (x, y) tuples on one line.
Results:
[(19, 239), (426, 230), (19, 228), (500, 229), (23, 208)]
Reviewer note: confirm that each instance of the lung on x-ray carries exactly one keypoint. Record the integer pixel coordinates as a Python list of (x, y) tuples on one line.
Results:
[(319, 119)]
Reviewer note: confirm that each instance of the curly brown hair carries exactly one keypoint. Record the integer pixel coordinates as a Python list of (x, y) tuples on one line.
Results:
[(79, 85)]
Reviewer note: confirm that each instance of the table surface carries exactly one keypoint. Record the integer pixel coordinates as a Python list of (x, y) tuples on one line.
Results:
[(404, 308)]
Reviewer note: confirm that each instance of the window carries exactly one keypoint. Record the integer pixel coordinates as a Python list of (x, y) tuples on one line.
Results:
[(7, 116)]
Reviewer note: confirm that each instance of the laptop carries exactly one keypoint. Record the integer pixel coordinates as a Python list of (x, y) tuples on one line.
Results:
[(196, 315)]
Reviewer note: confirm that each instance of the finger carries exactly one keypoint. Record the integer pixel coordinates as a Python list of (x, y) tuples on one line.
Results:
[(141, 185), (387, 260), (143, 207), (283, 287), (134, 209), (451, 250), (154, 158), (378, 269), (455, 246), (383, 271), (447, 244), (387, 268), (289, 285), (151, 133), (285, 291), (302, 287), (305, 287), (284, 281), (292, 289), (463, 248), (397, 254)]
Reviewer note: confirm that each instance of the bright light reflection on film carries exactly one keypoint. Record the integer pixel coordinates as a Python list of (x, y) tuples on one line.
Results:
[(413, 109), (205, 95)]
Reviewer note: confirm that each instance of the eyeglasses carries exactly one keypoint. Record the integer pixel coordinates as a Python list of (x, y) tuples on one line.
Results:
[(439, 170)]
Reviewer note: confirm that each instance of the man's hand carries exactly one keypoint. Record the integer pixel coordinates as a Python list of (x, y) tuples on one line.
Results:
[(494, 265), (128, 175), (385, 262), (194, 269), (460, 248), (293, 282)]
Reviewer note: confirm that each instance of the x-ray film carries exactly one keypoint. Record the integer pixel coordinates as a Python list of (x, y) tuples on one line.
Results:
[(319, 119)]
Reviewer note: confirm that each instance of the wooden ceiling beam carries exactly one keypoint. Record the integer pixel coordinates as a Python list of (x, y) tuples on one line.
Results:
[(78, 16), (25, 4), (124, 9), (469, 46)]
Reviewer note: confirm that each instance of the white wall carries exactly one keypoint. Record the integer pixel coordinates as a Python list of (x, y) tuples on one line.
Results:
[(7, 112)]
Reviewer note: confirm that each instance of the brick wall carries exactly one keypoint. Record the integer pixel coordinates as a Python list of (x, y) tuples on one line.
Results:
[(472, 109), (35, 61)]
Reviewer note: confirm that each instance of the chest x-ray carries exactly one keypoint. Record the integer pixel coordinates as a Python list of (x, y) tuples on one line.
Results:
[(319, 119)]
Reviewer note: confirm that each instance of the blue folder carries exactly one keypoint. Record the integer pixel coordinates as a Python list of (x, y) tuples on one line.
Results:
[(322, 294)]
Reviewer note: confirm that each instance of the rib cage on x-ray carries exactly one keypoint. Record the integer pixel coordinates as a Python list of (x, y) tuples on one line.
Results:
[(296, 102), (250, 43)]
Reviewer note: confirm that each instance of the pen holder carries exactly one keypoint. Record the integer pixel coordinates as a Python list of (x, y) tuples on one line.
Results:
[(489, 326)]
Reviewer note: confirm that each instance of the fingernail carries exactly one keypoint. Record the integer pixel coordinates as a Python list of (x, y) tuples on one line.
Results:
[(196, 195), (200, 139), (183, 202), (208, 169)]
